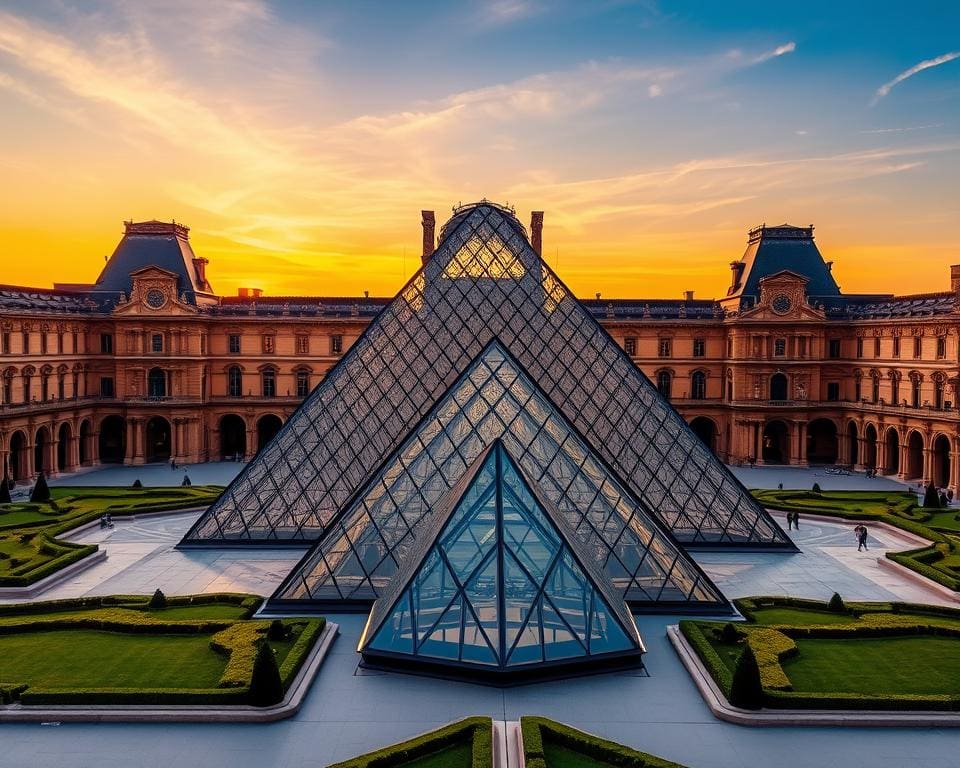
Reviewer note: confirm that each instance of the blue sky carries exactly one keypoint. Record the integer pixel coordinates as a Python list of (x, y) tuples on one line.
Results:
[(301, 139)]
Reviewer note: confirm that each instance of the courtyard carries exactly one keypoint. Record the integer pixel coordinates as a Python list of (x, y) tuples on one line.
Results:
[(350, 710)]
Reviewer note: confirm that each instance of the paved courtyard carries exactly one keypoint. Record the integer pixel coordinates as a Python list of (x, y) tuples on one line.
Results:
[(349, 711)]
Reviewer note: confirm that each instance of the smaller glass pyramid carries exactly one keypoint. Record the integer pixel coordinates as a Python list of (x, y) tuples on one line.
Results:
[(497, 584)]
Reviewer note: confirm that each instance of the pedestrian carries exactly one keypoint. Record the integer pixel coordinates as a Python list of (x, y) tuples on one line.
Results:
[(796, 519), (861, 532), (173, 465), (779, 486)]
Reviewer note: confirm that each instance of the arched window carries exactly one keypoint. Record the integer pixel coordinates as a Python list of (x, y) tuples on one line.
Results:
[(938, 390), (157, 383), (27, 385), (875, 387), (303, 383), (778, 386), (894, 388), (269, 382), (698, 385), (857, 386), (664, 380), (915, 390), (729, 386), (235, 381)]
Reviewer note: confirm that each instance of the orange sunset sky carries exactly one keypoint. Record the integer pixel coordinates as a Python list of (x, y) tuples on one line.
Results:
[(299, 141)]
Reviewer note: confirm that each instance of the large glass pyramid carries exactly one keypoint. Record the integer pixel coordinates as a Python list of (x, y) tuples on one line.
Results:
[(495, 400), (484, 281), (497, 583)]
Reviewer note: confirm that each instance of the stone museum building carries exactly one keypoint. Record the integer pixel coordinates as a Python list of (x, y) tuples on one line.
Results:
[(148, 363)]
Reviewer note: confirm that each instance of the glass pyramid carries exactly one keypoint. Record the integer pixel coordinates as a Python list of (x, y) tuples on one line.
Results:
[(484, 281), (498, 583), (495, 400)]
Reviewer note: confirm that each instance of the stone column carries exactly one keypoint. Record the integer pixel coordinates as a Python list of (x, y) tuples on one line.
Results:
[(139, 441), (927, 465), (251, 444), (130, 452)]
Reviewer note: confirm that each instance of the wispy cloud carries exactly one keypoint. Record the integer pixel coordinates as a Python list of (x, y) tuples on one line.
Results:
[(497, 13), (780, 50), (884, 89), (903, 129)]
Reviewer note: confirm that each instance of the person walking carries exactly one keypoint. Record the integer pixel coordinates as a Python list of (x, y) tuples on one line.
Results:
[(861, 532)]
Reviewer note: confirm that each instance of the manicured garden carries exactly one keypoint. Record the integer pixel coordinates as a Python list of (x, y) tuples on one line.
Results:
[(468, 744), (29, 547), (188, 650), (940, 561), (793, 653)]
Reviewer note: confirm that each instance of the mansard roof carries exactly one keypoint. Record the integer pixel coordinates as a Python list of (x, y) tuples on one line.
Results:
[(785, 247), (24, 299), (161, 244)]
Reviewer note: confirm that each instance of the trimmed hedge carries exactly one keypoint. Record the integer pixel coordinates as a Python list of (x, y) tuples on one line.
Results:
[(538, 731), (771, 643), (475, 730), (238, 639)]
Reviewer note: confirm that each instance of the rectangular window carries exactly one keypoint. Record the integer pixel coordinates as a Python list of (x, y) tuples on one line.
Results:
[(269, 343), (859, 346), (941, 347), (6, 343), (303, 384), (833, 391), (26, 342), (59, 342), (336, 344), (699, 347), (303, 345), (106, 343), (834, 348), (43, 342), (233, 343), (106, 386), (896, 346), (630, 345), (730, 346), (156, 342), (779, 347), (76, 345), (663, 348), (876, 346), (917, 347)]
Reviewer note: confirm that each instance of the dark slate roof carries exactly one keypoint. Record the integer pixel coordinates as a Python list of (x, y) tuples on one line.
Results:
[(893, 307), (653, 309), (13, 297), (774, 249), (150, 244), (306, 306)]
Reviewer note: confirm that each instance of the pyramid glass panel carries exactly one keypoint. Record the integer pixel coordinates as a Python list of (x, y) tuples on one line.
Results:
[(483, 282), (638, 555), (504, 616)]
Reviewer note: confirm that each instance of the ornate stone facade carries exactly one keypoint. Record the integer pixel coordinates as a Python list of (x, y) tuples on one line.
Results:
[(784, 369)]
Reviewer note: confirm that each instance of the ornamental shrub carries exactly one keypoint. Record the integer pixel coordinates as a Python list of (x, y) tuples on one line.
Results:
[(745, 690), (137, 483), (159, 600), (729, 633), (836, 604), (816, 488), (266, 687), (277, 631), (930, 497), (5, 490), (40, 490)]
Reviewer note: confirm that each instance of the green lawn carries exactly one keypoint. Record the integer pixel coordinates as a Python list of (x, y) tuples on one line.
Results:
[(458, 756), (562, 757), (94, 650), (798, 616), (92, 659), (876, 666), (29, 549)]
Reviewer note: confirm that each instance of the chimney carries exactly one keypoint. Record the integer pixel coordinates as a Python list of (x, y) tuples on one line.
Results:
[(429, 236), (200, 267), (955, 278), (688, 295), (536, 231)]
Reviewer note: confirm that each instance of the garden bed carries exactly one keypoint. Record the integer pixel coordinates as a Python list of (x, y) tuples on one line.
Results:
[(29, 547), (814, 655), (549, 744), (131, 650)]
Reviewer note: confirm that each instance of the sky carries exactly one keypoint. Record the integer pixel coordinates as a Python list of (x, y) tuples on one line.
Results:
[(300, 140)]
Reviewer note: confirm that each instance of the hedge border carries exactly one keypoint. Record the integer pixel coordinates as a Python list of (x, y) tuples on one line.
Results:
[(479, 730), (72, 552), (694, 632), (538, 730)]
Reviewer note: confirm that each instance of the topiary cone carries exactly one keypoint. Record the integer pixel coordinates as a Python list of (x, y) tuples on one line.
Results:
[(746, 690), (5, 491), (266, 688), (40, 490)]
